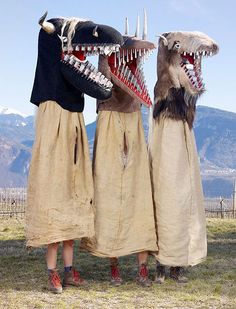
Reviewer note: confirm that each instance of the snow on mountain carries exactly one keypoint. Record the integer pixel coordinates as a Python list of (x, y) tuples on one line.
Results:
[(7, 111)]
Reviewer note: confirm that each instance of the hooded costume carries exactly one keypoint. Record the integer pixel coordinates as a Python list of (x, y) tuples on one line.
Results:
[(60, 186), (124, 220), (175, 173)]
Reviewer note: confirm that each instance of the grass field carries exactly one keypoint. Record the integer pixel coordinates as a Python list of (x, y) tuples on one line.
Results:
[(23, 277)]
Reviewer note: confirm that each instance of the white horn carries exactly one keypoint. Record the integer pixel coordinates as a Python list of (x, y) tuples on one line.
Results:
[(48, 27), (165, 41), (126, 26), (145, 26), (137, 28)]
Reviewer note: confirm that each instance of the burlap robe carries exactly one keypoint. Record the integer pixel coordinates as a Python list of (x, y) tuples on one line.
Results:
[(124, 220), (177, 192), (60, 185)]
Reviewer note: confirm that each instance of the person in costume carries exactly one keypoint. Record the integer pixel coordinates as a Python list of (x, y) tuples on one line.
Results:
[(60, 185), (124, 220), (175, 173)]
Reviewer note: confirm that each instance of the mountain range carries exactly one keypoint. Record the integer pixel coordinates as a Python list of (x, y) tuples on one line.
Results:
[(215, 132)]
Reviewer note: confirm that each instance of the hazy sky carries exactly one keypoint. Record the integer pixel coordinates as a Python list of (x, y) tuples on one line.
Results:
[(19, 33)]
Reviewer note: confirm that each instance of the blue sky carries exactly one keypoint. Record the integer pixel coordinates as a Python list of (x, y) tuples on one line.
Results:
[(19, 32)]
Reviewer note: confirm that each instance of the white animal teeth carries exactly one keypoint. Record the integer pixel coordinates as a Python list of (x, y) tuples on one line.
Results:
[(76, 65), (72, 61), (185, 53), (131, 55), (107, 50), (189, 66)]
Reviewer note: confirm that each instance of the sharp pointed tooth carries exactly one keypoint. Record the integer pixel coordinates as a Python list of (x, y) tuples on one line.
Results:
[(126, 68), (211, 53), (190, 54), (122, 69), (123, 56), (185, 53), (77, 64), (131, 55), (72, 60), (81, 67), (77, 48), (135, 53), (128, 76), (119, 61), (189, 66), (107, 51), (67, 57), (127, 55), (115, 63)]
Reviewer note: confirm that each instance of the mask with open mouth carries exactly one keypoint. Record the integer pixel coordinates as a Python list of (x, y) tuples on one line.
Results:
[(126, 65), (63, 68), (179, 73)]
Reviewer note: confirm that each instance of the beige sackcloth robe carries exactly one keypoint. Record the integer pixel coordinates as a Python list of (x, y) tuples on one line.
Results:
[(124, 220), (60, 184), (177, 194)]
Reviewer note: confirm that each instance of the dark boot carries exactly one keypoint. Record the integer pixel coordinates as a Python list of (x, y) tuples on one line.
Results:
[(72, 278), (160, 273), (142, 277), (54, 282), (116, 279), (176, 273)]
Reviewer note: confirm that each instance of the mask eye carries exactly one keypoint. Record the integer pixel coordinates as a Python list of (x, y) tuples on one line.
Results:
[(177, 45)]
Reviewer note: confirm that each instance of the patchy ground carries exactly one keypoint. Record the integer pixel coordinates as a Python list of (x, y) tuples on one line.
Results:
[(23, 277)]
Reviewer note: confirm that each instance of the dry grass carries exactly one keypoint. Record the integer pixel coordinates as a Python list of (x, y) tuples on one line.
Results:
[(23, 277)]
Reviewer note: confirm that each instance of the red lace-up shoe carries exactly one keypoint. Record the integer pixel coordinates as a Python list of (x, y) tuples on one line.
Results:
[(142, 277), (115, 275), (54, 282), (72, 278)]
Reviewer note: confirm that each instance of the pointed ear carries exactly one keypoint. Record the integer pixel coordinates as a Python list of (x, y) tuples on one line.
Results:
[(163, 37)]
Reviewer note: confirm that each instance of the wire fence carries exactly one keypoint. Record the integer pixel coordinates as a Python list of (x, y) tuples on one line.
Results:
[(13, 204)]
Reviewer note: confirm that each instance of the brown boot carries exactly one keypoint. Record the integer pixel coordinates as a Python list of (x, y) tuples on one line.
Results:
[(160, 273), (142, 277), (176, 273), (72, 278), (116, 279), (54, 282)]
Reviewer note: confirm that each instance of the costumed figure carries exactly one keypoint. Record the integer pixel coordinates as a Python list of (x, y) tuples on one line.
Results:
[(124, 220), (175, 173), (60, 187)]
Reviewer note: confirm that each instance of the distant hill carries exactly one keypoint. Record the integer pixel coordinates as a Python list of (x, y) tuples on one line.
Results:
[(215, 132)]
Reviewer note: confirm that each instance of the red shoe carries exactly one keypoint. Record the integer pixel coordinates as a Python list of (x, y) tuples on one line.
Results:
[(72, 278), (115, 275), (54, 282), (142, 277)]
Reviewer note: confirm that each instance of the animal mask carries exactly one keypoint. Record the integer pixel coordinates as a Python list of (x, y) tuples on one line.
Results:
[(179, 73), (126, 65), (64, 45)]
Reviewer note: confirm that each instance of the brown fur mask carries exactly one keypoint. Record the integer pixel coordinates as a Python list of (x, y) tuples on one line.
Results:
[(179, 81)]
